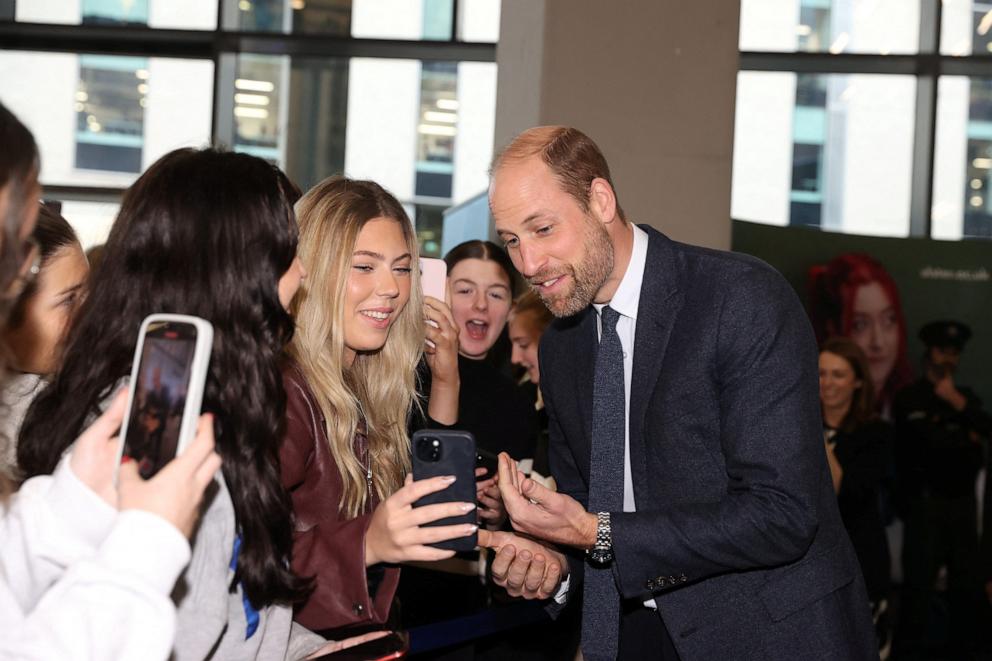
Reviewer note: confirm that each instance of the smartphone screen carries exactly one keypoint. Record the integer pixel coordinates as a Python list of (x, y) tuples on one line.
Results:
[(163, 379)]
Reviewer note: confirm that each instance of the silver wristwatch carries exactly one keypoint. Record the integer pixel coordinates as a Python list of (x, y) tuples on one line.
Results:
[(601, 552)]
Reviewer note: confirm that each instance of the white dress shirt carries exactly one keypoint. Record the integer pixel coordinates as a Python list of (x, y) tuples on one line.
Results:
[(625, 302)]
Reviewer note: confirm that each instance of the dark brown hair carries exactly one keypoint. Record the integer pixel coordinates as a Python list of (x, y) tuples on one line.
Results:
[(53, 233), (487, 251), (207, 233), (863, 406), (18, 170)]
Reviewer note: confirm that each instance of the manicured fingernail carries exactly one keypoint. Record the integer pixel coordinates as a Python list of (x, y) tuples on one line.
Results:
[(468, 507), (448, 479), (126, 459), (471, 529)]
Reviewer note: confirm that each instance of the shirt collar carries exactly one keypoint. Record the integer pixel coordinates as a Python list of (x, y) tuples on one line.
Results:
[(628, 294)]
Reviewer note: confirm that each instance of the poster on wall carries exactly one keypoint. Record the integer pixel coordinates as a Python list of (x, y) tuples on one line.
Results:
[(881, 291)]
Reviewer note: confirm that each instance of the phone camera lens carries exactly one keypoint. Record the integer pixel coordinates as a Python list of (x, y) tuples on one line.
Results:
[(429, 449)]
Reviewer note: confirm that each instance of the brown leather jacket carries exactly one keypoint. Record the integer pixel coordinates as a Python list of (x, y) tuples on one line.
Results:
[(326, 545)]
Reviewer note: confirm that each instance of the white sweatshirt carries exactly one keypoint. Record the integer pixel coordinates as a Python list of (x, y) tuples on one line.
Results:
[(80, 581)]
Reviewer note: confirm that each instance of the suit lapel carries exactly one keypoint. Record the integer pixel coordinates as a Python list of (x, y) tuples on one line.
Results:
[(584, 347), (658, 307)]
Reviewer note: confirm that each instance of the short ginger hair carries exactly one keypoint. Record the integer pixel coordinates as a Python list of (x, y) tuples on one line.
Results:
[(573, 158)]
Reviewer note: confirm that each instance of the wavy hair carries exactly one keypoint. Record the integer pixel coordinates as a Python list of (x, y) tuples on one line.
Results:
[(207, 233), (379, 388)]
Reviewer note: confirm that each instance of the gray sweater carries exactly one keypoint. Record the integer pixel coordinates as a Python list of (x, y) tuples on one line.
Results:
[(211, 620)]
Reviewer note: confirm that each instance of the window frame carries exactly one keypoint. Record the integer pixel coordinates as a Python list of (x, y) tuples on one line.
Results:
[(222, 46), (928, 65)]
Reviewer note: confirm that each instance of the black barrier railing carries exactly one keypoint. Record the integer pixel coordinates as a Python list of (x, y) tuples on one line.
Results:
[(438, 635)]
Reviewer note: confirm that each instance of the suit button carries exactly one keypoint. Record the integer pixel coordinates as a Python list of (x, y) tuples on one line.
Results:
[(358, 608), (682, 578), (651, 584)]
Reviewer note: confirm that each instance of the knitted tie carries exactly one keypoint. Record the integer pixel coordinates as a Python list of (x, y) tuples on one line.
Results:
[(601, 599)]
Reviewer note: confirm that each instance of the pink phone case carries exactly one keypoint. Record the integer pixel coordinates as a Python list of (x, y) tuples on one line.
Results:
[(433, 277)]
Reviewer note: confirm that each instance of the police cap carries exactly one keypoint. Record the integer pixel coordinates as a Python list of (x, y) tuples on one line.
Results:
[(945, 334)]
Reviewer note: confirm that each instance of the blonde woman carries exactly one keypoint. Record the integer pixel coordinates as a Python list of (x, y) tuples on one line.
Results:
[(351, 388)]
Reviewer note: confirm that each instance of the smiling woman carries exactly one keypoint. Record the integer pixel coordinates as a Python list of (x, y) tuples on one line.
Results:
[(350, 389)]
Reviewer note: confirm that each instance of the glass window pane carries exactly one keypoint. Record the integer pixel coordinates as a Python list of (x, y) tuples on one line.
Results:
[(831, 151), (371, 19), (175, 14), (966, 27), (100, 120), (478, 20), (962, 204), (91, 220), (424, 130), (835, 26)]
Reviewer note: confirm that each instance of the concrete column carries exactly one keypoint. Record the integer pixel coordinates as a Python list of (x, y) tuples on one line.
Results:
[(652, 82)]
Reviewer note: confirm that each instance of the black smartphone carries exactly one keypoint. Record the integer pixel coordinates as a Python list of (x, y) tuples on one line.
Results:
[(391, 646), (447, 452), (488, 460)]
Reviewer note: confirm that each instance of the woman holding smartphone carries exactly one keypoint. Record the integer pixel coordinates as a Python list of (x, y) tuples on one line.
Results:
[(69, 584), (351, 389), (210, 234)]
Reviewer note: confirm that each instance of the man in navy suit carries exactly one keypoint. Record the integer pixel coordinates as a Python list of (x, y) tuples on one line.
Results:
[(728, 543)]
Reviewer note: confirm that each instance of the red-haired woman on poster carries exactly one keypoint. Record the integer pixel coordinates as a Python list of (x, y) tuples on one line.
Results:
[(854, 296)]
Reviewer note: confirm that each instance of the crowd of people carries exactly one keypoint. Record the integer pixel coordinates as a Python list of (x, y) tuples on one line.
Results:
[(905, 455), (280, 532), (326, 357)]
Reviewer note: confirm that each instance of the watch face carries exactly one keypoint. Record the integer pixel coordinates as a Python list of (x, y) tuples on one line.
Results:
[(601, 556)]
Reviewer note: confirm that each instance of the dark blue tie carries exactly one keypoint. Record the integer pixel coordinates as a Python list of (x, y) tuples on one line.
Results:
[(601, 599)]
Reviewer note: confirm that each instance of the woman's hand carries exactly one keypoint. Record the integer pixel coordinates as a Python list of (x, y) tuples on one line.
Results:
[(492, 513), (397, 532), (175, 492), (94, 454), (441, 353)]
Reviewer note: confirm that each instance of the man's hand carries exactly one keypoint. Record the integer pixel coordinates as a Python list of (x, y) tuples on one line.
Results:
[(947, 391), (525, 567), (537, 511)]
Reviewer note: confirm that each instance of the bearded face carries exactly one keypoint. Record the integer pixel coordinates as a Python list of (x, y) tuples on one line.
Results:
[(569, 287), (563, 246)]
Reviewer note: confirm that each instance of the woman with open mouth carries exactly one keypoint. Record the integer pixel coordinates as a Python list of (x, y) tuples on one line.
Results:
[(481, 282), (493, 408)]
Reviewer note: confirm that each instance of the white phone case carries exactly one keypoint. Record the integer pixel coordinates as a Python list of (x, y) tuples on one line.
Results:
[(198, 376)]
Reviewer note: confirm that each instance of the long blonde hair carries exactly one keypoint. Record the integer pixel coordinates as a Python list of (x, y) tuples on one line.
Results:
[(380, 386)]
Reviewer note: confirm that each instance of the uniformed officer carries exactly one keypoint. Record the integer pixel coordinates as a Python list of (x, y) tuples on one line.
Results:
[(940, 428)]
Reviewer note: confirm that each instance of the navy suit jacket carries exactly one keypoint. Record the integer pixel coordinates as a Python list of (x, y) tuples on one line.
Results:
[(737, 535)]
